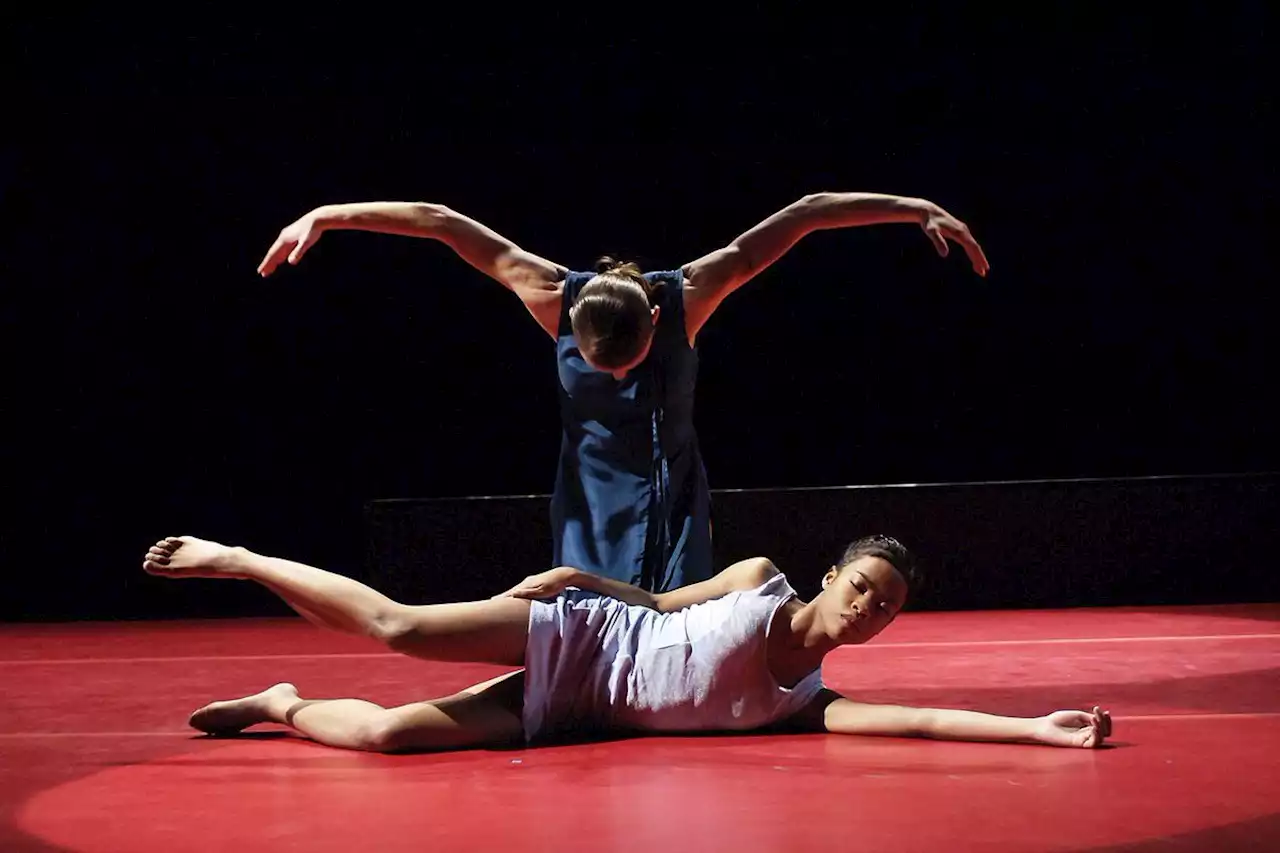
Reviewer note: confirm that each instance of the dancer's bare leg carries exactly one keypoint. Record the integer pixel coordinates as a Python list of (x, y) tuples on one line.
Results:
[(488, 631), (486, 714)]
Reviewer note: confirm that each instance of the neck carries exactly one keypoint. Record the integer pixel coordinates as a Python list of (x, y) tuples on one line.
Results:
[(800, 640)]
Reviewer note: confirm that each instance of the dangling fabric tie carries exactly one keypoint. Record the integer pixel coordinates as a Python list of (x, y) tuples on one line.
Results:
[(659, 552)]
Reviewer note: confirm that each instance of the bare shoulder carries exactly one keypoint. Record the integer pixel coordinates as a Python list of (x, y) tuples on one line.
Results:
[(749, 573), (541, 294), (712, 272), (704, 280), (526, 271)]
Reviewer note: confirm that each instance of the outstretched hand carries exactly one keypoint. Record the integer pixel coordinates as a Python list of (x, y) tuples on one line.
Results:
[(544, 585), (292, 244), (1080, 729), (941, 226)]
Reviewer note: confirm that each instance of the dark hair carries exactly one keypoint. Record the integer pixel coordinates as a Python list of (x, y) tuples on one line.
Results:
[(886, 548), (610, 315)]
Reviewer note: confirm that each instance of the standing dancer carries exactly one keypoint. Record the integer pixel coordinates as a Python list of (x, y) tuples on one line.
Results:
[(631, 499)]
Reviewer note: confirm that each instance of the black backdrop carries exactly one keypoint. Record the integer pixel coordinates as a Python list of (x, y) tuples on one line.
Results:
[(1114, 170)]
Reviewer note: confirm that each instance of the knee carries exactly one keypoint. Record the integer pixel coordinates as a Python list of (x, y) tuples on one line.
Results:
[(393, 629), (383, 733)]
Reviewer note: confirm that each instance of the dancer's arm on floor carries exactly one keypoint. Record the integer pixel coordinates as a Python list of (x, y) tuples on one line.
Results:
[(537, 281), (713, 277), (747, 574), (831, 712)]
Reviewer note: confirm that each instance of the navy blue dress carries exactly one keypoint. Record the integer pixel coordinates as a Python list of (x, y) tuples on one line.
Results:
[(631, 500)]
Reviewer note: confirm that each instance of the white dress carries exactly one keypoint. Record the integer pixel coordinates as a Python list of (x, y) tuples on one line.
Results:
[(594, 663)]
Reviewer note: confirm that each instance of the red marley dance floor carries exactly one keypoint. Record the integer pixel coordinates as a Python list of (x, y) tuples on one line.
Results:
[(95, 756)]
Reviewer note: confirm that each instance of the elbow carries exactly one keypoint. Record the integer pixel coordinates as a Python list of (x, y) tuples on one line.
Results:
[(434, 220), (429, 211), (812, 202), (923, 723), (809, 213)]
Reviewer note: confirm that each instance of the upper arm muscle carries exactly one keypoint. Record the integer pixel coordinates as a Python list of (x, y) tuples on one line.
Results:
[(831, 712), (518, 268), (708, 281), (538, 282), (747, 574), (714, 276)]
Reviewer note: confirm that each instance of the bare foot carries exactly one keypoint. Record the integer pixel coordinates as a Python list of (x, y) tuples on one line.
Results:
[(189, 557), (224, 718)]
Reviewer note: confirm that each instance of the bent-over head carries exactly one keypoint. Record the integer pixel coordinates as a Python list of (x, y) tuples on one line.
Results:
[(614, 317)]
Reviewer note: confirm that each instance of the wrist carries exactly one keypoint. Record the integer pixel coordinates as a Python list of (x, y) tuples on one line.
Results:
[(919, 209), (328, 216), (1037, 730)]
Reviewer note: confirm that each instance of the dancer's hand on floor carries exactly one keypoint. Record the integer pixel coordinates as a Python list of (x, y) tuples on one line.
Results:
[(544, 585), (1075, 728)]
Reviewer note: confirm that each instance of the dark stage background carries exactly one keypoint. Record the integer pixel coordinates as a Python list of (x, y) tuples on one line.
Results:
[(1113, 167)]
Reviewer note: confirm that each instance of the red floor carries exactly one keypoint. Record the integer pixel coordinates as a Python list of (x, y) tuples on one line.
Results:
[(94, 755)]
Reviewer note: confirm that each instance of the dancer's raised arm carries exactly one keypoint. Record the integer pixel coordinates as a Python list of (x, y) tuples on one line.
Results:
[(714, 276), (537, 281)]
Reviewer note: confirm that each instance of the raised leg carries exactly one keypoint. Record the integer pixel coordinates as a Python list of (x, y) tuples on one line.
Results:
[(489, 631), (487, 714)]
